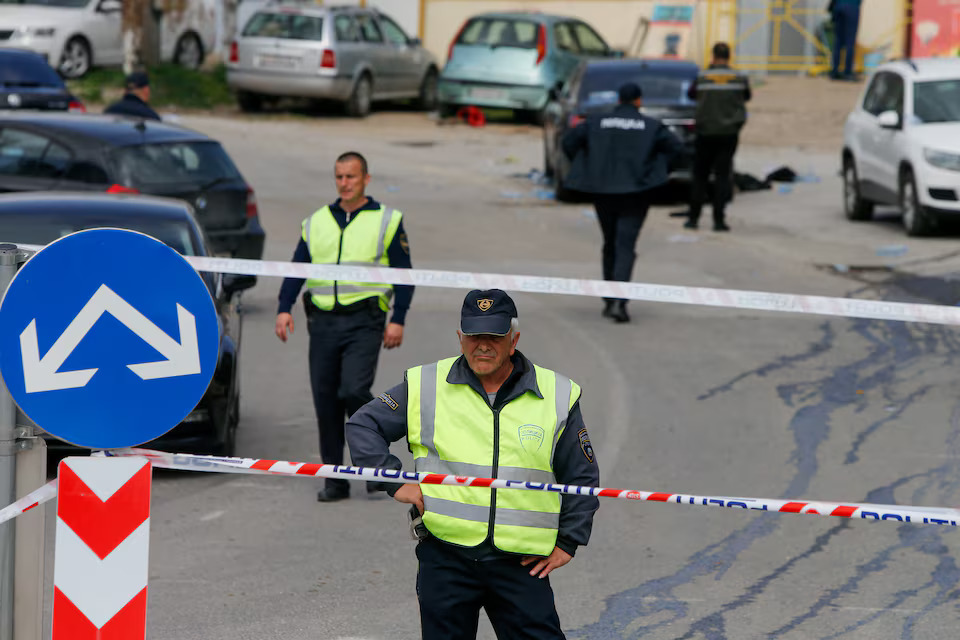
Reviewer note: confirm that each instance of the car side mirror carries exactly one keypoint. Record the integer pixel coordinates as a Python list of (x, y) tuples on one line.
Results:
[(889, 120), (110, 6), (616, 53), (415, 42), (233, 283)]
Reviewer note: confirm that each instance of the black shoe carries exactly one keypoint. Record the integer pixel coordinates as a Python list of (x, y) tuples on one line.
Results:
[(332, 495), (619, 312), (690, 224), (608, 308), (721, 226)]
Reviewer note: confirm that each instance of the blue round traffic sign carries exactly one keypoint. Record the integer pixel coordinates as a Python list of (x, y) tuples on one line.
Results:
[(108, 338)]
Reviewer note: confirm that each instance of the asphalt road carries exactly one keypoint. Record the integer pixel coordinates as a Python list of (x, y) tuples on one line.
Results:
[(683, 400)]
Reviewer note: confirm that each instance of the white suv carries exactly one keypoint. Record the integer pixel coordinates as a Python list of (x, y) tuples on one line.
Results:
[(901, 145)]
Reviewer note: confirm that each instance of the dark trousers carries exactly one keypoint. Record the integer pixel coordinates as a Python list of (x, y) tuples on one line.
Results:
[(344, 349), (621, 216), (846, 21), (712, 155), (452, 587)]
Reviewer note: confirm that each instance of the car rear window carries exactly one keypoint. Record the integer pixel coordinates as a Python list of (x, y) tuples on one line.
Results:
[(600, 86), (151, 166), (937, 101), (291, 26), (44, 229), (27, 71), (500, 32)]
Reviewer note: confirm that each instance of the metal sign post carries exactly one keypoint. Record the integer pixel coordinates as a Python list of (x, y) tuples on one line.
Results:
[(10, 257)]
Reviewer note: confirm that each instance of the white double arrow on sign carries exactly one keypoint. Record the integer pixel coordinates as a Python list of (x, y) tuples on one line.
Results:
[(41, 374)]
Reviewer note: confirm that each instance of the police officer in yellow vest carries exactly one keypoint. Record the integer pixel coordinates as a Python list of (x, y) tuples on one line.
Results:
[(345, 320), (488, 413)]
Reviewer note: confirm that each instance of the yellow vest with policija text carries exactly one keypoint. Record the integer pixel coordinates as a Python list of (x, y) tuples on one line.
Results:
[(451, 429), (363, 242)]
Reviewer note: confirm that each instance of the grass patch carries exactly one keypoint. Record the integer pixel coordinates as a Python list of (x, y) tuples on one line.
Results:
[(171, 86)]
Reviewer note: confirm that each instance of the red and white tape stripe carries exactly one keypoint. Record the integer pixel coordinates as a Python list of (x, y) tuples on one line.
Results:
[(186, 462), (29, 501), (723, 298)]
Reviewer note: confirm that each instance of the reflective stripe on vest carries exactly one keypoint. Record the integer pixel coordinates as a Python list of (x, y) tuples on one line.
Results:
[(363, 242), (455, 420)]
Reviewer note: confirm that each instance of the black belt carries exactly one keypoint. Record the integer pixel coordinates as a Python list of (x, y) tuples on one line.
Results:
[(367, 304)]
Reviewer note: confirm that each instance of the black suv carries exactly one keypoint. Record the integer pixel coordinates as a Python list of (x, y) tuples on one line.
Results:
[(66, 152)]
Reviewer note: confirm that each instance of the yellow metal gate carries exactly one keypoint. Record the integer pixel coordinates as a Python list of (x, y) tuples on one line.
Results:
[(793, 35)]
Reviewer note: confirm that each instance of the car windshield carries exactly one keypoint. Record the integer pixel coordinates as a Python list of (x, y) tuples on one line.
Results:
[(292, 26), (936, 101), (44, 229), (27, 71), (500, 32), (600, 86), (150, 167), (75, 4)]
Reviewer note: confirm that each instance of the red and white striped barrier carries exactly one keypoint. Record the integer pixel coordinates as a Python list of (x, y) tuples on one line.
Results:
[(649, 292), (187, 462), (102, 549)]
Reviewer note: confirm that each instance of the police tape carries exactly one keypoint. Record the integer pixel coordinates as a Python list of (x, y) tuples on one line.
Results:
[(704, 296), (188, 462), (29, 501)]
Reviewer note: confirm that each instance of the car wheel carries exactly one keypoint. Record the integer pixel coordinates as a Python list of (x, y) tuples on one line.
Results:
[(189, 51), (249, 102), (76, 59), (854, 206), (228, 446), (446, 109), (428, 91), (916, 220), (358, 106)]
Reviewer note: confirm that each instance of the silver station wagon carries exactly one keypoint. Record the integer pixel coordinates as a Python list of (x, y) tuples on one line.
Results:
[(350, 55)]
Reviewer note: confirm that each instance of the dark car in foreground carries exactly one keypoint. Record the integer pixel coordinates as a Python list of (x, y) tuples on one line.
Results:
[(593, 89), (41, 218), (72, 152), (27, 81)]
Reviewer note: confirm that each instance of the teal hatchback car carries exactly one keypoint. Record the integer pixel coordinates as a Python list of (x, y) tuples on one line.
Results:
[(515, 60)]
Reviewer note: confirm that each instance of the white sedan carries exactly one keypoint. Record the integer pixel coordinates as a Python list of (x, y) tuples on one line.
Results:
[(75, 35)]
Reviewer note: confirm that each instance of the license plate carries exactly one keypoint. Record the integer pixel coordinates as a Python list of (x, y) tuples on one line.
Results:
[(277, 62), (488, 94)]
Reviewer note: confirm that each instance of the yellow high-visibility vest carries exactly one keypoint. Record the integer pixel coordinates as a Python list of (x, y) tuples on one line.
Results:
[(363, 242), (453, 430)]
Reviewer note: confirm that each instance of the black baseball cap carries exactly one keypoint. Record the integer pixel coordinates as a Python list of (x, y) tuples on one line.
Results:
[(629, 92), (137, 80), (487, 312)]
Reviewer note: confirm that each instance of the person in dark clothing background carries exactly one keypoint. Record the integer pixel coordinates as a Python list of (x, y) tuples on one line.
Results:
[(846, 21), (617, 158), (721, 94), (345, 320), (135, 101)]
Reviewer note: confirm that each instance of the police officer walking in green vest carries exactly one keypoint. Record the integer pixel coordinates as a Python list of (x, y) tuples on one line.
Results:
[(488, 413), (721, 94), (345, 320)]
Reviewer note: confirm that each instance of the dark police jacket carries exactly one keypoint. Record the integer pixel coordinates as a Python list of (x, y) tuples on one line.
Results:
[(622, 151), (131, 105), (384, 420), (721, 94)]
